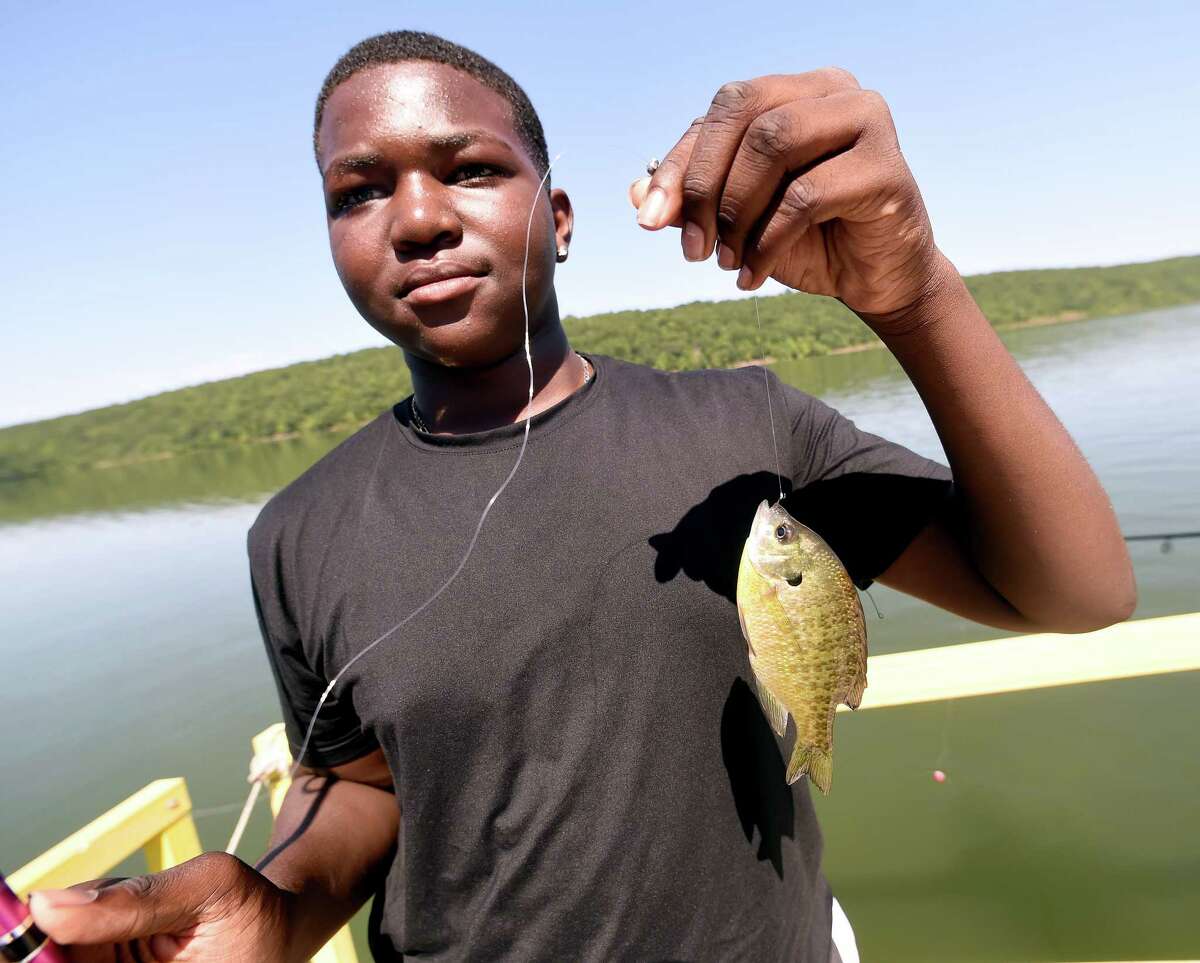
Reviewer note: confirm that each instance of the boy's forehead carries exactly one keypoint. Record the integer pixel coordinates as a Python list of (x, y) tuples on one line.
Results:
[(412, 99)]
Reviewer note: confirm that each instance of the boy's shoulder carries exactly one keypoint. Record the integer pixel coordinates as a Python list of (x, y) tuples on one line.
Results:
[(329, 482), (743, 387)]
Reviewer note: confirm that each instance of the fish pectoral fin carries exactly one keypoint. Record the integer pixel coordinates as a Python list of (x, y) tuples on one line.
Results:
[(857, 688), (772, 708), (813, 761), (859, 685)]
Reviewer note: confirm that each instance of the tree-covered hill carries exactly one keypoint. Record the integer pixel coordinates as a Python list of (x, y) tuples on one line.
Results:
[(347, 390)]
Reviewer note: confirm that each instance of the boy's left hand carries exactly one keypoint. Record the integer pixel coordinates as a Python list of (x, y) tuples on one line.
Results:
[(800, 178)]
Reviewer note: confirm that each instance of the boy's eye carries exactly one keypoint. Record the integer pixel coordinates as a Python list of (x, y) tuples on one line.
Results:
[(343, 201), (475, 172), (346, 200)]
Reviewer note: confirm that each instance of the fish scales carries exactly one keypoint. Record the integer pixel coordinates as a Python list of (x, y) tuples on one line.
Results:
[(804, 627)]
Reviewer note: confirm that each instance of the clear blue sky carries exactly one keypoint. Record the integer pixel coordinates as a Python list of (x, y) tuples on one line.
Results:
[(163, 219)]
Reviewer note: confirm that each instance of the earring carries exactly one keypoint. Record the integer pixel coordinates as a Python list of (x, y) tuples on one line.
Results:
[(562, 253)]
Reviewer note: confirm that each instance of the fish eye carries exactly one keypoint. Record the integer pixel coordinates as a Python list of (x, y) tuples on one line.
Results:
[(782, 533), (796, 579)]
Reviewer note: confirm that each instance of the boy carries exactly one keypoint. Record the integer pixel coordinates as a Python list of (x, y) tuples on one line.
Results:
[(558, 759)]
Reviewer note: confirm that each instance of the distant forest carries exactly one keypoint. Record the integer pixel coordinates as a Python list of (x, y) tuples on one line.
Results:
[(344, 391)]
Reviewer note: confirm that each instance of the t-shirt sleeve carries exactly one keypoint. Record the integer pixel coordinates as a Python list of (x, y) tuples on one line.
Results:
[(338, 735), (866, 496)]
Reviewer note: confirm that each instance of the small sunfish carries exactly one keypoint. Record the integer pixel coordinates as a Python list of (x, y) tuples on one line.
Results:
[(804, 626)]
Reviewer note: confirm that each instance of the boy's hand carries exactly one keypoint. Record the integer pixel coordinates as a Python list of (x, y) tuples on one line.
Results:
[(799, 177), (213, 907)]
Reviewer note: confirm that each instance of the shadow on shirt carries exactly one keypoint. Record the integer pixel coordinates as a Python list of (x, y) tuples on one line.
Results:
[(868, 519), (757, 777)]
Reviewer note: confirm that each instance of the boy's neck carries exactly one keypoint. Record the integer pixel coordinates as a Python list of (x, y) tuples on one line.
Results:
[(460, 400)]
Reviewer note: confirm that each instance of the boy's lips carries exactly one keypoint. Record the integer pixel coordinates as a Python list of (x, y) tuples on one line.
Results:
[(431, 283)]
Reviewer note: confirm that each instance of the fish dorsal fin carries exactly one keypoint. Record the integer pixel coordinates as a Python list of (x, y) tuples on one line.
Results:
[(772, 708)]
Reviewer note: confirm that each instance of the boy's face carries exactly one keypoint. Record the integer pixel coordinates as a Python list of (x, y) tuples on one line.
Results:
[(422, 168)]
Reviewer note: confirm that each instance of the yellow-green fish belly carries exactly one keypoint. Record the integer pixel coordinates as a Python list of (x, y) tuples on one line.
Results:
[(806, 644)]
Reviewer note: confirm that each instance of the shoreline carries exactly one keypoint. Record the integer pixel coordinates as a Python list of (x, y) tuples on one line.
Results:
[(1062, 317), (1044, 320)]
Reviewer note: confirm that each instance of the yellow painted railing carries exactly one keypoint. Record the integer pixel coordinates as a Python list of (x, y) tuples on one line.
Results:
[(158, 819), (1145, 647)]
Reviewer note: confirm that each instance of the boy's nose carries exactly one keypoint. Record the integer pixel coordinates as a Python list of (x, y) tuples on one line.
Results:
[(422, 216)]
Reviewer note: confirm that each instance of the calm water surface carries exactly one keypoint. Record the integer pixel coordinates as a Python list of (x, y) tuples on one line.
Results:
[(1066, 829)]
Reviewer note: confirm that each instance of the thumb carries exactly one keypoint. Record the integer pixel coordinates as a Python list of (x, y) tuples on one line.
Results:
[(116, 911)]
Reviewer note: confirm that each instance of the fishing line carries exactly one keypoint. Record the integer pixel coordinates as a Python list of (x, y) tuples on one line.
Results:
[(486, 510), (1163, 537), (762, 344), (222, 810), (939, 773), (1167, 539), (874, 604)]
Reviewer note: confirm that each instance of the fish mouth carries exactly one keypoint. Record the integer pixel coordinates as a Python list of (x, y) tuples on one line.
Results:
[(763, 550), (758, 542)]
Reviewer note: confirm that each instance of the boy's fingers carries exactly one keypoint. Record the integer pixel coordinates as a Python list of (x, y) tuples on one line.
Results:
[(637, 195), (43, 908), (839, 187), (733, 109), (662, 199), (117, 913), (787, 139), (135, 951), (637, 190), (132, 909)]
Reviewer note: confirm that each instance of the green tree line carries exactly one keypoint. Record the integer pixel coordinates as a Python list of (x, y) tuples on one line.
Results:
[(344, 391)]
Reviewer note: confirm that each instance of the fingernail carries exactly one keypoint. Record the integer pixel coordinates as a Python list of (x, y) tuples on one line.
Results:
[(65, 897), (693, 242), (654, 206), (725, 258), (745, 276)]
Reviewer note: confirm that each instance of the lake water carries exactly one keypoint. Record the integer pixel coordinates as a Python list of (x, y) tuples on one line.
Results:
[(1066, 828)]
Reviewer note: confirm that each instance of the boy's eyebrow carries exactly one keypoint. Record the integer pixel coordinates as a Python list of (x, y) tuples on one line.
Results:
[(458, 139), (455, 140), (353, 162)]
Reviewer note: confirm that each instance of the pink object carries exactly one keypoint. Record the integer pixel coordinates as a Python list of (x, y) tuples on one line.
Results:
[(939, 776), (19, 938)]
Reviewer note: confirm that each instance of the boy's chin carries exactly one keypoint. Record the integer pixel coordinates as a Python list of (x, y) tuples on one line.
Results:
[(481, 351)]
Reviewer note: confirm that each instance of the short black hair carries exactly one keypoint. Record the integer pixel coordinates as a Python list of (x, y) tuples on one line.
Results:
[(400, 46)]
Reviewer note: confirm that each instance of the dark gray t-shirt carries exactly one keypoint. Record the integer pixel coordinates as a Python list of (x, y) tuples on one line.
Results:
[(582, 770)]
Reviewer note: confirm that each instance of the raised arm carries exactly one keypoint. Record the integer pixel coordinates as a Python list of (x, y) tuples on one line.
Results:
[(1038, 547), (800, 178)]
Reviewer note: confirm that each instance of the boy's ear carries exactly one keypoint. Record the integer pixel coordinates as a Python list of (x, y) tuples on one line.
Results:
[(564, 218)]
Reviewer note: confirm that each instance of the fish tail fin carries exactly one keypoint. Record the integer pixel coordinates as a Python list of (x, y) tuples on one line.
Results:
[(817, 763)]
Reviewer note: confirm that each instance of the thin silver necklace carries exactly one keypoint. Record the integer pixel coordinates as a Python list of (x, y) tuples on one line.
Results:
[(419, 422)]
